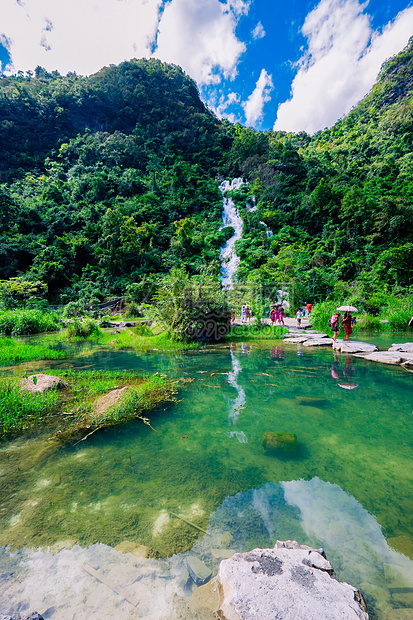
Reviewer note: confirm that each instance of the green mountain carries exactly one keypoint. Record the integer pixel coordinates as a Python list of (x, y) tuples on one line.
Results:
[(107, 180), (111, 180)]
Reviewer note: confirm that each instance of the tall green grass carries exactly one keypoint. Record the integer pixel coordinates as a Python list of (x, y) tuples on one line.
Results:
[(15, 351), (396, 311), (21, 410), (256, 332), (21, 322)]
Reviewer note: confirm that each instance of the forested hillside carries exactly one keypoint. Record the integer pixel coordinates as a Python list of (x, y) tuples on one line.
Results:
[(340, 202), (109, 181)]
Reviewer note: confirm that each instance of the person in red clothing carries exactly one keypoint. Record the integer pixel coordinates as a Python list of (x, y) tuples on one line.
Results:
[(348, 324), (309, 308)]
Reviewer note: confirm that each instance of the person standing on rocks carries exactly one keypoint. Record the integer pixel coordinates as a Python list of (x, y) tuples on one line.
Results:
[(244, 313), (272, 314), (335, 325), (281, 315), (299, 316), (348, 324)]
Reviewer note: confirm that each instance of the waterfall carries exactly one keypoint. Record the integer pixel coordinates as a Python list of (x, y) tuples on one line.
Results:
[(230, 217), (268, 231)]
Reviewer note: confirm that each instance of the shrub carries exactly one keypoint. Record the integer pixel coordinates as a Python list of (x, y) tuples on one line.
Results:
[(192, 308), (82, 329)]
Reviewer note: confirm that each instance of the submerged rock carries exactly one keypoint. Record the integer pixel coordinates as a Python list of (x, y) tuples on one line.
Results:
[(279, 442), (311, 401), (40, 383), (139, 551), (199, 572), (288, 582)]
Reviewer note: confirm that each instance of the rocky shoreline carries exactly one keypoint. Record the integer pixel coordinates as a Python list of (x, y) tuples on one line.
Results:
[(397, 354)]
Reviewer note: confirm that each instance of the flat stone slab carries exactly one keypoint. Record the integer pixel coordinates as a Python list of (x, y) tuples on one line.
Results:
[(296, 339), (314, 334), (354, 347), (407, 347), (384, 357), (287, 582), (318, 342)]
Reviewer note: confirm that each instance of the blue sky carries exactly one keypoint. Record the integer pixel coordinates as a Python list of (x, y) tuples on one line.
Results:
[(290, 65)]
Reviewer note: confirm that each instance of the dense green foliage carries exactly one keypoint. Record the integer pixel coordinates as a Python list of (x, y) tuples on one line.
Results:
[(339, 203), (110, 182), (107, 180)]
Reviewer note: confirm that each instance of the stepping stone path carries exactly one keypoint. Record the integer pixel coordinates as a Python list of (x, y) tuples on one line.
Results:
[(398, 354)]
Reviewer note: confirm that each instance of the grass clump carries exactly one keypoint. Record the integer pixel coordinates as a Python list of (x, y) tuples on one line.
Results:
[(20, 411), (15, 351), (25, 321)]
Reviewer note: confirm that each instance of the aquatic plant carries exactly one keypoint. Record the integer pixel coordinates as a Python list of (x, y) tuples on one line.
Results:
[(20, 322)]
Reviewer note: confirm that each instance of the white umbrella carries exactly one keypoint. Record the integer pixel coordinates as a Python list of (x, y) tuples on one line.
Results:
[(347, 309)]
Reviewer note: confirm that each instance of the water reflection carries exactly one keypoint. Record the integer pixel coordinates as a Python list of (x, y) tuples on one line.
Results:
[(345, 375), (313, 512)]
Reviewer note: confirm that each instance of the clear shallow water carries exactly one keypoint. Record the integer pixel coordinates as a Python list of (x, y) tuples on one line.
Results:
[(347, 488)]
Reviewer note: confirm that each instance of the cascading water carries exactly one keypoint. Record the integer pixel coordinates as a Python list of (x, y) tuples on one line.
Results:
[(230, 217)]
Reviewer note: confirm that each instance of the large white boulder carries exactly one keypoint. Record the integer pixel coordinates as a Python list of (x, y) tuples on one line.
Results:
[(289, 582)]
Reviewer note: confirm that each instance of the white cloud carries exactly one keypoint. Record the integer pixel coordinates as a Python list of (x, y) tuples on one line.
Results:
[(254, 105), (258, 32), (84, 35), (77, 35), (220, 106), (200, 37), (341, 63), (239, 7)]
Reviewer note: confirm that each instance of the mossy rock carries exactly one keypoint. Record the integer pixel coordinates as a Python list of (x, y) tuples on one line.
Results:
[(280, 442), (311, 401)]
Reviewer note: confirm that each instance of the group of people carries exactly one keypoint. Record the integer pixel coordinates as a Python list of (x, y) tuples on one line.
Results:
[(347, 321), (246, 313), (277, 314)]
